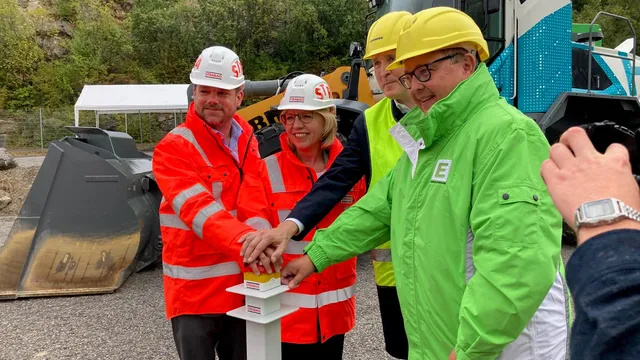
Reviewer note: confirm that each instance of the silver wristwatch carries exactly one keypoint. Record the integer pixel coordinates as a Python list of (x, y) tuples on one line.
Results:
[(604, 211)]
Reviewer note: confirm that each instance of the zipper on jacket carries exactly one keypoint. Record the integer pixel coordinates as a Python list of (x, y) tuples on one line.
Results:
[(244, 158)]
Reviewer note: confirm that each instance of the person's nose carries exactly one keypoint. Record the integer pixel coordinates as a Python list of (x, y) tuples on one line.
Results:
[(384, 72), (212, 99), (297, 123), (416, 85)]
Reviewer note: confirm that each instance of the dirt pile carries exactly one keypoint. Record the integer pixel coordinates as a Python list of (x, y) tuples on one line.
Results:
[(6, 160), (16, 182)]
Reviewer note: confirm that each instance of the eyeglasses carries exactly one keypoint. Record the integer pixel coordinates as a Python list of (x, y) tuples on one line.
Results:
[(304, 117), (422, 72)]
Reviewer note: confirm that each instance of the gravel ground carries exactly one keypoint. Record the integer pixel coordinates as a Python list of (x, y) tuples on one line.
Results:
[(17, 182), (28, 161), (130, 323)]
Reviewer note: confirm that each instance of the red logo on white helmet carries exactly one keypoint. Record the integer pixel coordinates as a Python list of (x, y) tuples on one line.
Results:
[(322, 91), (236, 69)]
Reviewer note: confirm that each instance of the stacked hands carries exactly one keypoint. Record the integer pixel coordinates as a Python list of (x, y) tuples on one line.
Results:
[(574, 173), (267, 247)]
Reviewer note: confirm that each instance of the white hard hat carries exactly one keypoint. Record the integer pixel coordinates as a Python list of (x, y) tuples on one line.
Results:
[(219, 67), (306, 92)]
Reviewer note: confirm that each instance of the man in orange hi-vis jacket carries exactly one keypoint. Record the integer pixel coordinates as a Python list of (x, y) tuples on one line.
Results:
[(200, 167)]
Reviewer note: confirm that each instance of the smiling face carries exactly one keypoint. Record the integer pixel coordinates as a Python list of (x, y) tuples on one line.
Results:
[(388, 80), (446, 74), (214, 105), (305, 128)]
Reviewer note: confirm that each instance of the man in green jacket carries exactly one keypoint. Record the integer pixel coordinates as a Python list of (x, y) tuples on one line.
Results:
[(475, 237)]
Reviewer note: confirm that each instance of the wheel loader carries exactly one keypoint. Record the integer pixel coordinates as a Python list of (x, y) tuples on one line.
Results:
[(90, 219)]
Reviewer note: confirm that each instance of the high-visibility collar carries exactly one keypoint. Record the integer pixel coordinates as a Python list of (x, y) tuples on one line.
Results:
[(451, 112)]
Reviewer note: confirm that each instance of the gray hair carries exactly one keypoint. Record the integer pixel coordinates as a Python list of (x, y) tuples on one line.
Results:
[(463, 48)]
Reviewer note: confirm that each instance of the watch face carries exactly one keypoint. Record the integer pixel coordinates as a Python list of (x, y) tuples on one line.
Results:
[(599, 208)]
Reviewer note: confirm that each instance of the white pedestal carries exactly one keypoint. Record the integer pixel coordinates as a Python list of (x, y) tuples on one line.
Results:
[(262, 315)]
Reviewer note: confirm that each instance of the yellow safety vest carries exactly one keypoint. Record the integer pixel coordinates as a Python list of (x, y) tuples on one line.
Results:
[(385, 152)]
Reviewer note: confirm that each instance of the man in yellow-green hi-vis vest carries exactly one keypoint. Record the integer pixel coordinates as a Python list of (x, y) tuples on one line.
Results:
[(371, 152)]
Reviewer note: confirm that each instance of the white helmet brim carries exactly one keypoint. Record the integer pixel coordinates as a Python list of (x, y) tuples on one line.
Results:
[(290, 106)]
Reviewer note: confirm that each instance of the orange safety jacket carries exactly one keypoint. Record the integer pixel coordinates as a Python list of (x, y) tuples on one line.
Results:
[(200, 221), (326, 301)]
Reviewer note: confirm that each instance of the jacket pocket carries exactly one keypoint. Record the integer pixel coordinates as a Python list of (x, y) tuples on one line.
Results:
[(215, 172), (517, 215), (219, 181)]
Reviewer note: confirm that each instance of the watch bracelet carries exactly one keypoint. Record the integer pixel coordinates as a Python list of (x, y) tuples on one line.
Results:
[(630, 212)]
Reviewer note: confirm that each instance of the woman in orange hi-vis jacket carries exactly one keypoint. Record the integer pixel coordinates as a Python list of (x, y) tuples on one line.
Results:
[(326, 301)]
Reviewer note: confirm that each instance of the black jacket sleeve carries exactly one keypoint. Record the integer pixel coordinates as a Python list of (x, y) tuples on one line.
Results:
[(347, 169), (603, 275)]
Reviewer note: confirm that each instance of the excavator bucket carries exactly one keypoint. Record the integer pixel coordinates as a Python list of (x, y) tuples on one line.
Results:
[(89, 220)]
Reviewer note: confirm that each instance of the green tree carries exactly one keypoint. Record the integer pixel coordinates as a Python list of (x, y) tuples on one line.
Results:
[(19, 54), (578, 4), (249, 27), (316, 34), (157, 41), (101, 47), (67, 9), (615, 30), (167, 38), (101, 52)]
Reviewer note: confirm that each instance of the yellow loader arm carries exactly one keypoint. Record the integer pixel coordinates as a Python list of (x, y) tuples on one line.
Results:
[(261, 114)]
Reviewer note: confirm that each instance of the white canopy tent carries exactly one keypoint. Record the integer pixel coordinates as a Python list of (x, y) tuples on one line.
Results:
[(119, 99)]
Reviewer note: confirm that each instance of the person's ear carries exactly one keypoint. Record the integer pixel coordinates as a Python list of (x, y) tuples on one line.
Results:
[(239, 97), (469, 63)]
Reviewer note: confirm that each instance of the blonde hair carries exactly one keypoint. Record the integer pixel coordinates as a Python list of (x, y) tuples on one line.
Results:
[(330, 127)]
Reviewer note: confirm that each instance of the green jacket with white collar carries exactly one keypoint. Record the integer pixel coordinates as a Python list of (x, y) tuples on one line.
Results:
[(475, 237)]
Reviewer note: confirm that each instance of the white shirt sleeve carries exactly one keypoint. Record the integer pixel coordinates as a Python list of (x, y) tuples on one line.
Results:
[(297, 222)]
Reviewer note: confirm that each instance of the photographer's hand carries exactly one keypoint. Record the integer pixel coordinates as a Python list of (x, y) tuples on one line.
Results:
[(577, 173)]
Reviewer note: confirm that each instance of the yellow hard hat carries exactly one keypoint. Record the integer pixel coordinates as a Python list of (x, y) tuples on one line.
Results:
[(435, 29), (383, 34)]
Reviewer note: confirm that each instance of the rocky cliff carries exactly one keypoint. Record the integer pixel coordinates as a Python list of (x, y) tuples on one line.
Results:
[(55, 21)]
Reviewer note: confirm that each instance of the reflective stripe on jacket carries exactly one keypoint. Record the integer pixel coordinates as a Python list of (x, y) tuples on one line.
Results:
[(326, 301), (199, 220)]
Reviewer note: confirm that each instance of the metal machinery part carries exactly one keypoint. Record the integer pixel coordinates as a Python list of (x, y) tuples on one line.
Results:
[(89, 220)]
